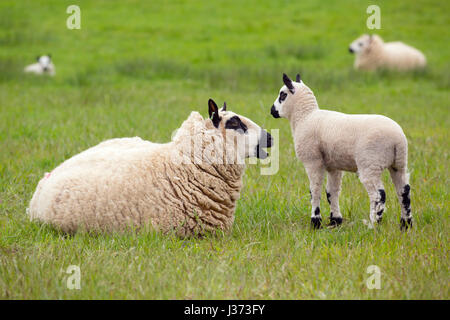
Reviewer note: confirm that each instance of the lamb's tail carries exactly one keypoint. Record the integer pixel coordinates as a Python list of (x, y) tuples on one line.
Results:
[(401, 156)]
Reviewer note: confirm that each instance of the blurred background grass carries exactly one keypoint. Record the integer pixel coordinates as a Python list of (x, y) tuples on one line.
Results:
[(139, 68)]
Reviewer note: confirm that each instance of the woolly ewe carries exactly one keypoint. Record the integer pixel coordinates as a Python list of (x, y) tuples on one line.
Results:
[(372, 53), (332, 142), (189, 185)]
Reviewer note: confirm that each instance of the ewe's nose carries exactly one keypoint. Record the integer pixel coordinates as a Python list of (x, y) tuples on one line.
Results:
[(350, 50), (274, 112)]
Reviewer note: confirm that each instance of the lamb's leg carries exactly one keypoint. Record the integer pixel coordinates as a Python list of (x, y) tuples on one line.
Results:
[(400, 180), (371, 179), (333, 190), (316, 174)]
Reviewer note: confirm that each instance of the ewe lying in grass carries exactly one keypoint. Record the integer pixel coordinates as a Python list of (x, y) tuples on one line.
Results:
[(335, 142), (189, 185), (372, 54)]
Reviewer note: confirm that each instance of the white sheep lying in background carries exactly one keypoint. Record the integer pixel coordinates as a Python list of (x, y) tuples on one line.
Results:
[(335, 142), (189, 185), (44, 65), (372, 54)]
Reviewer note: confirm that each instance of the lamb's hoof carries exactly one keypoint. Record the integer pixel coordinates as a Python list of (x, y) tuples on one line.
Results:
[(316, 222), (405, 223), (335, 221), (380, 215)]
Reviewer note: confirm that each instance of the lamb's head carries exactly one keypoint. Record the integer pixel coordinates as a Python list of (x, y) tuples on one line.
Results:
[(289, 97), (45, 62), (241, 134), (361, 44)]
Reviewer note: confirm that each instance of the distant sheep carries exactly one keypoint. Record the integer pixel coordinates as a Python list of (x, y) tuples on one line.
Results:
[(329, 141), (372, 54), (44, 65), (189, 185)]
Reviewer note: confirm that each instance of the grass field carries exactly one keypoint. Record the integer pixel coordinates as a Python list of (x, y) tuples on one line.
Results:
[(139, 68)]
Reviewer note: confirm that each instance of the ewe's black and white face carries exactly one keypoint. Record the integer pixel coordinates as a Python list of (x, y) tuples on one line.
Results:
[(286, 92), (45, 61), (250, 138), (360, 44)]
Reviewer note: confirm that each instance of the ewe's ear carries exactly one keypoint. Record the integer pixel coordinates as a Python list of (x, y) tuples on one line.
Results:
[(224, 108), (213, 112), (297, 78), (288, 83)]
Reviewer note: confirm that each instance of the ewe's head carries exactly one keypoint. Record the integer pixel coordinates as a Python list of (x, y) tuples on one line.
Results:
[(290, 93), (45, 61), (241, 134), (361, 44)]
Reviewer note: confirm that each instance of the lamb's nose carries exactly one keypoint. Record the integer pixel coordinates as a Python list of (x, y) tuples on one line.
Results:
[(274, 112), (350, 50)]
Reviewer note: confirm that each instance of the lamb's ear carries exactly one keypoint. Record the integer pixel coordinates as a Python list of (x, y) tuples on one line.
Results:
[(288, 83), (297, 78), (37, 58), (213, 112), (224, 108), (49, 55)]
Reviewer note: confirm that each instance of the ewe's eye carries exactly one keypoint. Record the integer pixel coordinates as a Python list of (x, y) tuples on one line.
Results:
[(235, 123), (283, 96)]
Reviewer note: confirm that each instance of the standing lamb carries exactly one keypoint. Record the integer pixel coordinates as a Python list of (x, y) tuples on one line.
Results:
[(44, 65), (189, 185), (372, 54), (335, 142)]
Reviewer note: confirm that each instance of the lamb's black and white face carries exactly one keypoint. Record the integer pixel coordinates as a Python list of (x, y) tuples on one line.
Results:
[(45, 62), (360, 44), (251, 138), (278, 109)]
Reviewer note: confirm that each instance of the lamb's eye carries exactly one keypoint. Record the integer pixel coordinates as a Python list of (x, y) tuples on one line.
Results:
[(360, 44), (235, 123), (283, 96)]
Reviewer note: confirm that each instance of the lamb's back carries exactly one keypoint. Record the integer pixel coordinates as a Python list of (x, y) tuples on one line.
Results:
[(337, 137)]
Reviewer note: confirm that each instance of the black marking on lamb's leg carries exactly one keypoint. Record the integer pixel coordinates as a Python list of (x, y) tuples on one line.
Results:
[(317, 211), (310, 194), (380, 216), (316, 221), (406, 202), (329, 197), (381, 201), (335, 221), (382, 196)]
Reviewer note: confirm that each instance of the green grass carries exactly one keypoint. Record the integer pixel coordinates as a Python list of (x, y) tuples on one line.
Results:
[(139, 68)]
